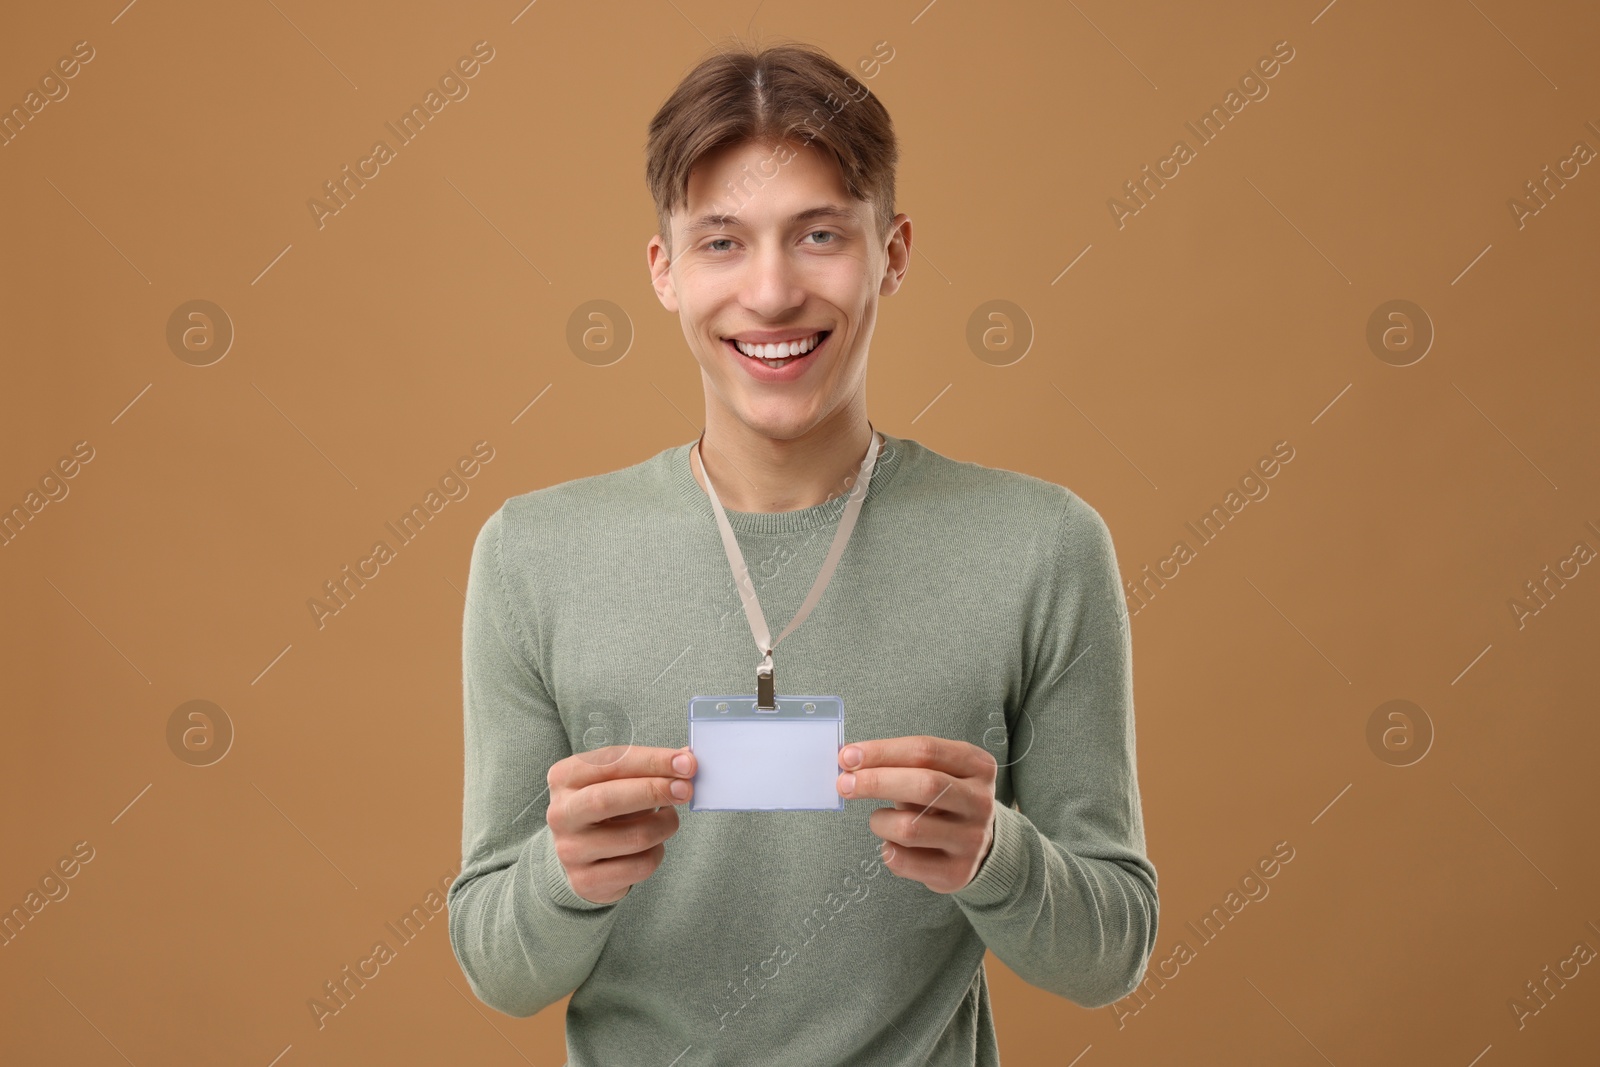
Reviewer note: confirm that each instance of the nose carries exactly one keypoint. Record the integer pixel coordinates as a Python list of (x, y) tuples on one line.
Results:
[(772, 283)]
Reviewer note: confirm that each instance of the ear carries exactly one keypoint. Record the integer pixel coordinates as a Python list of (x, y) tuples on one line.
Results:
[(655, 254), (898, 254)]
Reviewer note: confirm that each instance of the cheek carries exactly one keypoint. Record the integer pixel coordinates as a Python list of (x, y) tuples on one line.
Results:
[(697, 321), (860, 340), (844, 285)]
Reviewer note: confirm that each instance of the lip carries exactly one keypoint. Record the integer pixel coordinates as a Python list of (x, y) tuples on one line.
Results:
[(787, 373), (773, 337)]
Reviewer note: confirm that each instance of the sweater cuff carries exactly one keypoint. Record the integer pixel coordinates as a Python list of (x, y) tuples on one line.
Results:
[(559, 889), (1006, 865)]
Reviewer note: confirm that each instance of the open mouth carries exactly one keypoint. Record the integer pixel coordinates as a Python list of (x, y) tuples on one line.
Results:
[(778, 356)]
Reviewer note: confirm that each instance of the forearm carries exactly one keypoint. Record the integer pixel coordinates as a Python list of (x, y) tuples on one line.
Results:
[(523, 938), (1079, 926)]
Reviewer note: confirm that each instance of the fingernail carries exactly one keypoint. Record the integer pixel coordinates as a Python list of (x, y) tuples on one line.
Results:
[(680, 763), (847, 782), (852, 756), (680, 789)]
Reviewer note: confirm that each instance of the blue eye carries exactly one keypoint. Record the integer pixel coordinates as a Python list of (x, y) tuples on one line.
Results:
[(710, 245)]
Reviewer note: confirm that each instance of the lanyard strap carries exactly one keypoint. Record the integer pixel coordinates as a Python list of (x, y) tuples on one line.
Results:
[(741, 574)]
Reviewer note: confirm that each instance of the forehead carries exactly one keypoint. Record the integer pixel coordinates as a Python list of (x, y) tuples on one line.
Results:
[(763, 183)]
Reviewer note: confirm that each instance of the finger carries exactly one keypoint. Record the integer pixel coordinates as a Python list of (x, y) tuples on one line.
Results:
[(605, 800), (932, 867), (959, 759), (916, 787), (622, 872), (919, 831), (632, 816), (615, 762), (607, 841)]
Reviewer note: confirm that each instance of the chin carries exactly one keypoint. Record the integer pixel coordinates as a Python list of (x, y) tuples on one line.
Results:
[(781, 424)]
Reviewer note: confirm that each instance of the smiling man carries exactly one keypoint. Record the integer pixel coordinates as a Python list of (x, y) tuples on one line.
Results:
[(971, 620)]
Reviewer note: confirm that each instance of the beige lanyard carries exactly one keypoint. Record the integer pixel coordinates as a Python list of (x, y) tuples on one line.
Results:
[(765, 686)]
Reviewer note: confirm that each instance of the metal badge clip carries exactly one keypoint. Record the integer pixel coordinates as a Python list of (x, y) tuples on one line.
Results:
[(765, 698)]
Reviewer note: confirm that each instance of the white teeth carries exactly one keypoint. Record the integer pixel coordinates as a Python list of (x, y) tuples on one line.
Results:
[(778, 351)]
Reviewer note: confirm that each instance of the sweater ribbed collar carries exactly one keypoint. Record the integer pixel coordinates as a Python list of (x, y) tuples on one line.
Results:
[(826, 513)]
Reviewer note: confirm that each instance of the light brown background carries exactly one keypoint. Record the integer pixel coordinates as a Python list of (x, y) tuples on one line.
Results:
[(1229, 314)]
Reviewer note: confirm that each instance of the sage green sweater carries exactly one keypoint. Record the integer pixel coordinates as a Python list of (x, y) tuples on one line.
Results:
[(972, 603)]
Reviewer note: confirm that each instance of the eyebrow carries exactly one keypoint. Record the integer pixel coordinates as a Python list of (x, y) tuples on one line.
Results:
[(721, 221)]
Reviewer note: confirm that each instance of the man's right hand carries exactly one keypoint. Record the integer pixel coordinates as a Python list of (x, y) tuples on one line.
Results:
[(610, 810)]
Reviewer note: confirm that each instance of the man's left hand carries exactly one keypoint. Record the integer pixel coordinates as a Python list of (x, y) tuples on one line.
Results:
[(941, 827)]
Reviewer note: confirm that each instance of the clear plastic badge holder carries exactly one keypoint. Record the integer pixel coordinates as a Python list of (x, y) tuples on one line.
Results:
[(780, 759)]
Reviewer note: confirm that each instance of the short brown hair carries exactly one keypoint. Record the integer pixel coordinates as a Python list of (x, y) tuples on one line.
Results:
[(790, 91)]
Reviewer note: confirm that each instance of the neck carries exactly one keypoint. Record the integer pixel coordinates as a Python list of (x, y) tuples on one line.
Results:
[(753, 472)]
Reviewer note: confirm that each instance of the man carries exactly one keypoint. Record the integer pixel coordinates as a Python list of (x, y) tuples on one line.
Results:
[(973, 625)]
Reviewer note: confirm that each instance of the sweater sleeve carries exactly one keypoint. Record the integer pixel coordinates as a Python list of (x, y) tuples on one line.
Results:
[(523, 937), (1067, 897)]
